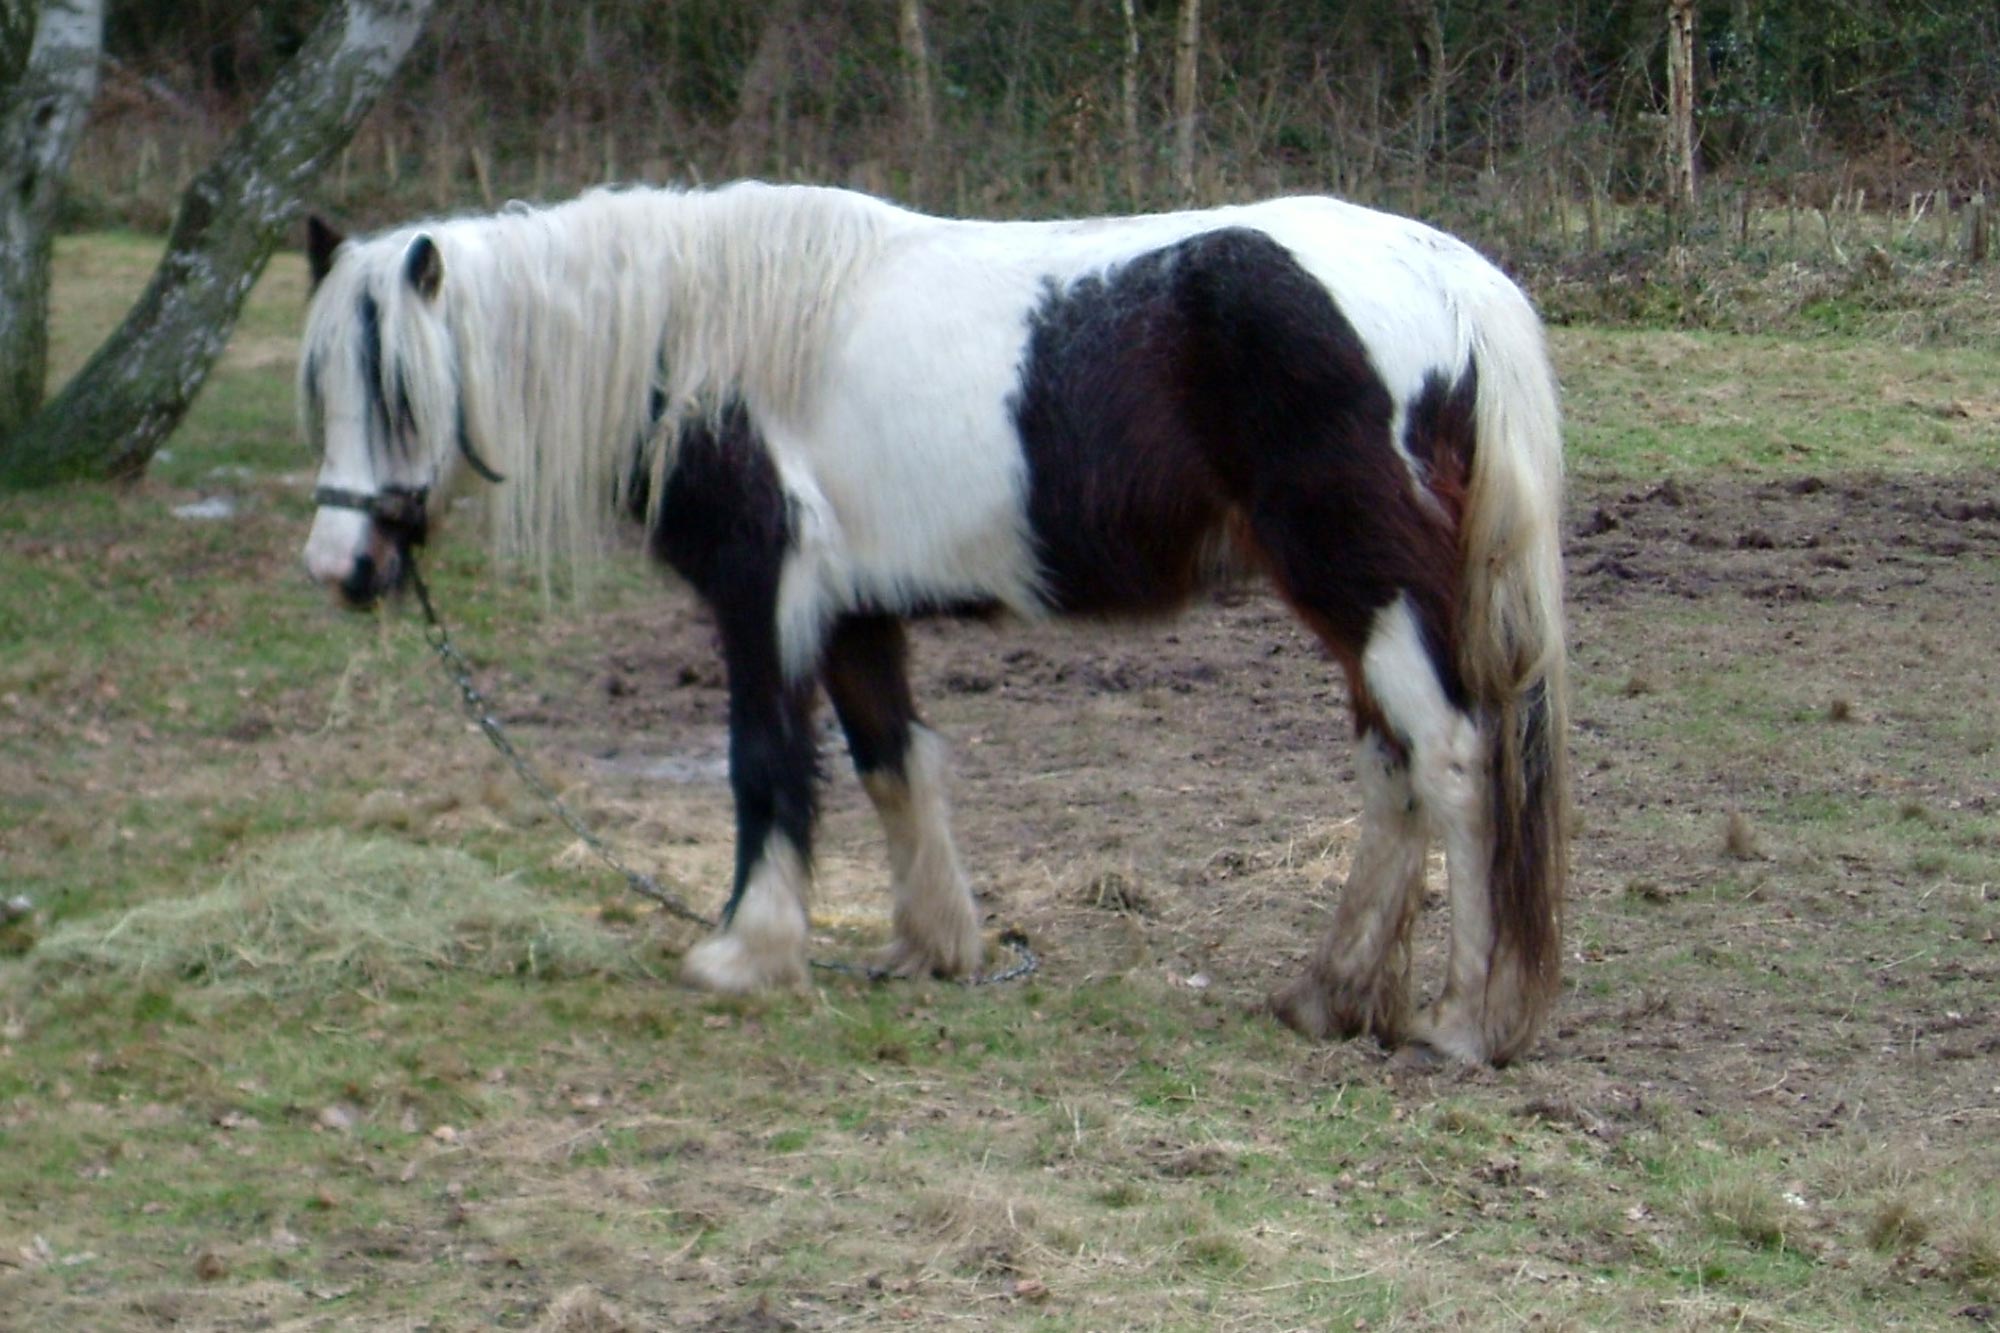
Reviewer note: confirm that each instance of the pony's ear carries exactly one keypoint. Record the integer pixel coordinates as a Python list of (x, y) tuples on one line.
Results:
[(424, 267), (321, 241)]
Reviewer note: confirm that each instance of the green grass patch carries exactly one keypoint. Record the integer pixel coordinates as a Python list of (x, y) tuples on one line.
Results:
[(1643, 403)]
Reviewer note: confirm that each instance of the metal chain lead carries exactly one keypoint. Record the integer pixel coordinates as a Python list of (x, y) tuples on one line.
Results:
[(460, 673)]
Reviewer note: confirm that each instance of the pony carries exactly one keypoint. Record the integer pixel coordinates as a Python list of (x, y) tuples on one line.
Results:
[(831, 414)]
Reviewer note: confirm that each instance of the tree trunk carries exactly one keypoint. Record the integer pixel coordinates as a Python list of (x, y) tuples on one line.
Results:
[(1427, 44), (917, 104), (119, 409), (759, 124), (1680, 110), (1187, 66), (48, 75), (1128, 107), (17, 39)]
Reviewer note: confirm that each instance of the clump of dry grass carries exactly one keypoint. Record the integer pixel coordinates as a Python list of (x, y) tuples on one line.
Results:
[(1897, 1224), (331, 912), (1739, 838), (1972, 1253), (1743, 1208), (581, 1310), (1116, 891)]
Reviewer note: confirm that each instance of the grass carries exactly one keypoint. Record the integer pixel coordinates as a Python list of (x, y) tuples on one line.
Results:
[(322, 1024), (1644, 403)]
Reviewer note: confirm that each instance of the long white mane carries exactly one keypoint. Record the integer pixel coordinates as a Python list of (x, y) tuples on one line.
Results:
[(581, 337)]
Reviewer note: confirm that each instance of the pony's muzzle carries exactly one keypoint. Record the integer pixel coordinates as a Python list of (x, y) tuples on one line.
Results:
[(370, 580), (351, 554)]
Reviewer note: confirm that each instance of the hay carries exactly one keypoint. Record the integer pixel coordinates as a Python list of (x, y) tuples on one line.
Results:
[(330, 912), (581, 1310)]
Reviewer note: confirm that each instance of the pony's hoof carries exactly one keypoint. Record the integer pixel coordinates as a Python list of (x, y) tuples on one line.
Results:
[(1441, 1035), (730, 965), (1336, 1011), (1419, 1058), (1304, 1008), (909, 959)]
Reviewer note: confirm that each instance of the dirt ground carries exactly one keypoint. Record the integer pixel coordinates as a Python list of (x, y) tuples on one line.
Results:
[(1784, 713), (1783, 945)]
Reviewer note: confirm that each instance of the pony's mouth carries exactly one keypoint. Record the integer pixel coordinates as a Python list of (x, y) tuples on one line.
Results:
[(380, 570), (371, 580)]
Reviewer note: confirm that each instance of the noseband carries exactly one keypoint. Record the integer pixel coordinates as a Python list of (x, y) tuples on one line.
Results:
[(398, 510)]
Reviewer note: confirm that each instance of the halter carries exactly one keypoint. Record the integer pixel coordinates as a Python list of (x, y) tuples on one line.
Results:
[(398, 510)]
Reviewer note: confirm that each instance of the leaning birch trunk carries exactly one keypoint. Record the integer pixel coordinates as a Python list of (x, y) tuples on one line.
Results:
[(1128, 106), (48, 75), (922, 113), (1680, 110), (1187, 64), (118, 410)]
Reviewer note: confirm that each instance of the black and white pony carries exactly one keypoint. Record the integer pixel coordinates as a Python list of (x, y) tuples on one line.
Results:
[(832, 413)]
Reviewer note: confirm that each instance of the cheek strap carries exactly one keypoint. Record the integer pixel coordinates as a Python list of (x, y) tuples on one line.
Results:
[(398, 510)]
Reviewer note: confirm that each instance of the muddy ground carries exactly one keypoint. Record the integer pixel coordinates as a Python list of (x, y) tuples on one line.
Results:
[(1784, 718)]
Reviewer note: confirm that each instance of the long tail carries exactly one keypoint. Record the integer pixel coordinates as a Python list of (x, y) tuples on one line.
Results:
[(1513, 660)]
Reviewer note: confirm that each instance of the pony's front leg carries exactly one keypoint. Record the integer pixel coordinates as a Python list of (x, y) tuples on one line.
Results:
[(772, 758), (901, 766)]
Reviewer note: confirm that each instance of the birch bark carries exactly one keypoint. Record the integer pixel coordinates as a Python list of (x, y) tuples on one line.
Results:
[(49, 57), (1187, 68), (111, 418)]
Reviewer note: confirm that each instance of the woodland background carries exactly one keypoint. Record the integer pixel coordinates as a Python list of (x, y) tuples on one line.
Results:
[(1519, 122)]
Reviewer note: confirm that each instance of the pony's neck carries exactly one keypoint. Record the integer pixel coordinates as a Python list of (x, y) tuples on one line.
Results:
[(590, 332), (757, 275)]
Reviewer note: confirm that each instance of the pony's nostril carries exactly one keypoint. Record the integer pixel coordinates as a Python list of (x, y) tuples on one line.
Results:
[(359, 588)]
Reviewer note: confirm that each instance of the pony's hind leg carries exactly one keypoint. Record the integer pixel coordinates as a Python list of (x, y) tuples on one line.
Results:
[(1392, 632), (1448, 778), (1358, 979), (901, 766)]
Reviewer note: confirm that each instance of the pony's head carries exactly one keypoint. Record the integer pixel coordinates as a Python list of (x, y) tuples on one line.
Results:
[(380, 400)]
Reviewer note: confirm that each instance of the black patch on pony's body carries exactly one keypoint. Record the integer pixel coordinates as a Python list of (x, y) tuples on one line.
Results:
[(1120, 500), (1214, 387), (1440, 431), (722, 525), (369, 314)]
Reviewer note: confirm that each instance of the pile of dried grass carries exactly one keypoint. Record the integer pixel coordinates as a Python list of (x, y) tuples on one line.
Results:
[(330, 912)]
